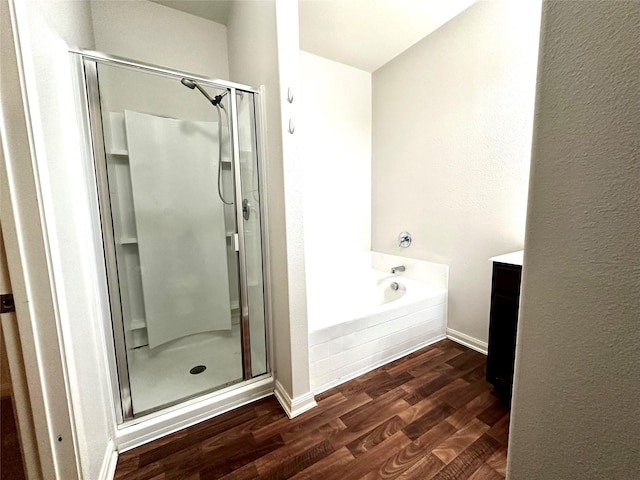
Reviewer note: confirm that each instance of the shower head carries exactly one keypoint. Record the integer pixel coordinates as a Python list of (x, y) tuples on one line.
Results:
[(188, 83), (193, 84)]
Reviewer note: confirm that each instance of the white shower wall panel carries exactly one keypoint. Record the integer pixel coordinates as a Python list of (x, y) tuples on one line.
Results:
[(180, 226)]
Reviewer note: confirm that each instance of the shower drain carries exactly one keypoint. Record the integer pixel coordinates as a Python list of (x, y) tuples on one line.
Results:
[(197, 369)]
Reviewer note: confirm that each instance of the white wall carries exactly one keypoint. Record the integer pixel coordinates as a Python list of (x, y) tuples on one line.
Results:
[(575, 406), (70, 304), (335, 146), (152, 33), (289, 75), (46, 29), (452, 122), (263, 51), (253, 60)]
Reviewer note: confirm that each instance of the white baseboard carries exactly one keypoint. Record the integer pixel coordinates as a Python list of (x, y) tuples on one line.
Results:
[(293, 406), (138, 432), (467, 341), (108, 470)]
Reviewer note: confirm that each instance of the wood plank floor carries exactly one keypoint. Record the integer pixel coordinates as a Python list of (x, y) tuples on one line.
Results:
[(11, 466), (428, 415)]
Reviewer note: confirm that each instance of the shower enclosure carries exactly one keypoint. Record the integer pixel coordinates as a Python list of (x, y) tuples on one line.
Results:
[(177, 169)]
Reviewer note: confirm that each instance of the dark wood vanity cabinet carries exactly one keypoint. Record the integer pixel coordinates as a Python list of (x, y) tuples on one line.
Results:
[(503, 326)]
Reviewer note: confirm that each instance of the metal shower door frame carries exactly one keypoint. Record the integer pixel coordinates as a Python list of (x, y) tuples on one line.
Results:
[(86, 63)]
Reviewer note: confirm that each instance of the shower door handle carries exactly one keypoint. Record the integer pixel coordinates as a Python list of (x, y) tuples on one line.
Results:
[(245, 209)]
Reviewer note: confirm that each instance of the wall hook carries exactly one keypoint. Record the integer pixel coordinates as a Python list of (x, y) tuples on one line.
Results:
[(292, 127), (289, 95)]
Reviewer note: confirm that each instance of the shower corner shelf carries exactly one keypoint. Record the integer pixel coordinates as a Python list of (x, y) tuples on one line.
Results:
[(118, 152), (128, 241), (138, 324)]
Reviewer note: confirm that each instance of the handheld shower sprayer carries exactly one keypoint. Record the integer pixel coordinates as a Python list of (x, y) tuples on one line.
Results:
[(216, 102), (193, 84)]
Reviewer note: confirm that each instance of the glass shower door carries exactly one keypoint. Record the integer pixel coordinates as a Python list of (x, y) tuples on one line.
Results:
[(248, 143), (169, 199)]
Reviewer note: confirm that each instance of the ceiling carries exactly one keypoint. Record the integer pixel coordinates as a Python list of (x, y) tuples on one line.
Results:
[(365, 34)]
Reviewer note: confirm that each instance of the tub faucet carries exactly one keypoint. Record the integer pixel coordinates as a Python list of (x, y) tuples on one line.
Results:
[(399, 268)]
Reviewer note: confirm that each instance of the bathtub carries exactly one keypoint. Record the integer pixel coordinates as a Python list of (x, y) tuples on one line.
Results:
[(363, 323)]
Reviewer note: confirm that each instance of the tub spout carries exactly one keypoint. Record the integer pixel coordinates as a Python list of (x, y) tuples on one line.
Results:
[(399, 268)]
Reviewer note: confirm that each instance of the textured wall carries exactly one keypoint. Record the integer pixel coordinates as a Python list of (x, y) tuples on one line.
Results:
[(45, 30), (152, 33), (253, 60), (289, 76), (259, 54), (452, 123), (575, 410)]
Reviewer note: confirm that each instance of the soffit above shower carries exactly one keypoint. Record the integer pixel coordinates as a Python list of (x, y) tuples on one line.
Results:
[(216, 11), (365, 34)]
